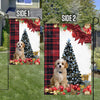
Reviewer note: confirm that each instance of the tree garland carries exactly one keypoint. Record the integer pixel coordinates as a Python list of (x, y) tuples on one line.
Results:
[(33, 25)]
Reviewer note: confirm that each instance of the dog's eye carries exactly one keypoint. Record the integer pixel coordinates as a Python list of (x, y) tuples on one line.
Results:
[(57, 63), (62, 63)]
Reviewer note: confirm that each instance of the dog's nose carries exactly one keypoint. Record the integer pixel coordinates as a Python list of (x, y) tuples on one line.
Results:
[(59, 66)]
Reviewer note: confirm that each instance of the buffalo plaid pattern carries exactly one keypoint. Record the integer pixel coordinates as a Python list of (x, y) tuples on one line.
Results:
[(14, 35), (51, 50)]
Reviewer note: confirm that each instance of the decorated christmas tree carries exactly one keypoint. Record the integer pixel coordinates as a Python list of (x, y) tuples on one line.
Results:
[(27, 50), (73, 73)]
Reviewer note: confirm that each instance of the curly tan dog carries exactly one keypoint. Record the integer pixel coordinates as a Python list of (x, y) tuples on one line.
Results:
[(60, 74), (19, 52)]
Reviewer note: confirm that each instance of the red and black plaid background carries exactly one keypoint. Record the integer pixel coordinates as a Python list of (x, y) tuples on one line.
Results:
[(14, 35), (51, 50)]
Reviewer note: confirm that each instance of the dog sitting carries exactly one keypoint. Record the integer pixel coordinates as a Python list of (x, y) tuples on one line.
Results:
[(19, 52), (60, 74)]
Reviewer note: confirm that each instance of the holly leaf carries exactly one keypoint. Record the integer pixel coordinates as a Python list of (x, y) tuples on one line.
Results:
[(65, 28), (59, 93), (65, 91)]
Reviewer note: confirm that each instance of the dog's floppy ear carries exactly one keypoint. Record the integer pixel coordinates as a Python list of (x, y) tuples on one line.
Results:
[(16, 44), (55, 64), (66, 65), (23, 45)]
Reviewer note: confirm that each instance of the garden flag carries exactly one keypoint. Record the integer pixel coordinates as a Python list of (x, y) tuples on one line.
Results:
[(24, 41), (72, 44)]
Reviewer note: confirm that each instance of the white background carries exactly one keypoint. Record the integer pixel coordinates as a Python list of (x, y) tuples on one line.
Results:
[(82, 52), (34, 37)]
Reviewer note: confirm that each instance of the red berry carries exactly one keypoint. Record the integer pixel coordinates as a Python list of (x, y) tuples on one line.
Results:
[(38, 59), (63, 25), (78, 89), (37, 22), (20, 60), (68, 89), (90, 91), (25, 61), (78, 93), (31, 60), (15, 60), (61, 88), (21, 63), (72, 86), (89, 87), (75, 87), (54, 89), (63, 93), (64, 30), (38, 62), (85, 89)]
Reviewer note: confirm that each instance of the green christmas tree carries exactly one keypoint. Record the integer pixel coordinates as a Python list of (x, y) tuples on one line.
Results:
[(73, 73), (27, 50)]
